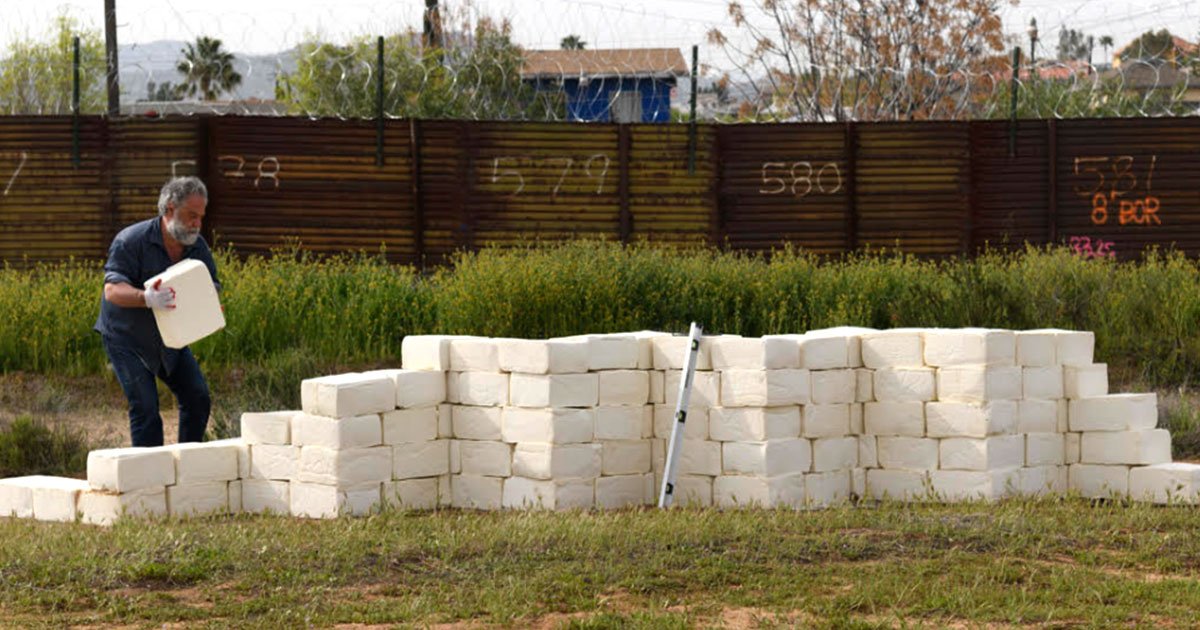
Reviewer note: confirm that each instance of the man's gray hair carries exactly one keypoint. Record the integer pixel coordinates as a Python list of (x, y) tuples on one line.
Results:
[(177, 190)]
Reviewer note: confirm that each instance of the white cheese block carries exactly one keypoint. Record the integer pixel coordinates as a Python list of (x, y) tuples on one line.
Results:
[(868, 454), (1085, 381), (557, 461), (486, 458), (822, 421), (904, 384), (759, 388), (198, 499), (476, 423), (624, 491), (547, 424), (1098, 481), (314, 500), (964, 419), (833, 386), (474, 354), (347, 395), (753, 424), (755, 353), (865, 385), (1036, 348), (346, 467), (197, 313), (426, 352), (419, 424), (98, 507), (555, 390), (1074, 347), (898, 485), (272, 427), (1044, 383), (830, 454), (824, 489), (543, 356), (274, 461), (972, 383), (623, 387), (476, 492), (669, 352), (1045, 449), (766, 459), (992, 453), (974, 485), (416, 388), (898, 347), (695, 424), (1042, 480), (969, 346), (624, 457), (1151, 446), (485, 389), (1114, 412), (203, 461), (618, 352), (1175, 482), (337, 433), (266, 496), (1037, 416), (432, 458), (412, 494), (706, 388), (894, 418), (624, 422), (133, 468), (737, 491), (907, 453), (548, 494)]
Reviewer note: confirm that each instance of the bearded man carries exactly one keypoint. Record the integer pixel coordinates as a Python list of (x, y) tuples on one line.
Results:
[(126, 323)]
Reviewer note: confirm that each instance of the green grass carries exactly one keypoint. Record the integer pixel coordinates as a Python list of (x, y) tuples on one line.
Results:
[(29, 447), (1065, 563), (292, 308)]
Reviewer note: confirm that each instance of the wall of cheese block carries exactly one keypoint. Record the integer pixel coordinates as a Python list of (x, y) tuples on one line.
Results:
[(798, 421)]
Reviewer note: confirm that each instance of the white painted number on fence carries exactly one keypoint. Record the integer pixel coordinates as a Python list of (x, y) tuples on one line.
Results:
[(8, 187), (272, 175), (775, 176), (175, 165), (509, 166)]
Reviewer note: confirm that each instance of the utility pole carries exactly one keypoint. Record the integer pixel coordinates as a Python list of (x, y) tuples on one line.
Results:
[(110, 54), (433, 25)]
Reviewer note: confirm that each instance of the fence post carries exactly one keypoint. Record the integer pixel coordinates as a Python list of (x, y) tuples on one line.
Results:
[(851, 147), (75, 102), (692, 118), (414, 149), (1012, 116), (1052, 179), (625, 217), (379, 103)]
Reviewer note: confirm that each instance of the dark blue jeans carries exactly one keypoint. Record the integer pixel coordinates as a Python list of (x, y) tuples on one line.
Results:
[(138, 382)]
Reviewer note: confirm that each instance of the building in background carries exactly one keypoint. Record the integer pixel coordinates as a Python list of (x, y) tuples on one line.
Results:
[(621, 85)]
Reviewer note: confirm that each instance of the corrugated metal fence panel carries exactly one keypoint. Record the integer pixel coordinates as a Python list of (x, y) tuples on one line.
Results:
[(444, 182), (49, 209), (912, 185), (316, 181), (150, 151), (1010, 193), (1128, 184), (669, 205), (533, 181), (784, 183)]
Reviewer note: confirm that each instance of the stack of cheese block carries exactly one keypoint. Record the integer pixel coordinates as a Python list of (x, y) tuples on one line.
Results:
[(805, 420)]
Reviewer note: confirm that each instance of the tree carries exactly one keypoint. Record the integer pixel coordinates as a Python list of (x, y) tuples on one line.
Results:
[(207, 70), (1106, 42), (1152, 47), (572, 42), (478, 76), (1072, 45), (867, 59), (161, 92), (36, 77)]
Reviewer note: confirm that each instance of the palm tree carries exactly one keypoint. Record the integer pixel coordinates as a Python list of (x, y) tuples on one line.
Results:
[(1106, 42), (572, 42), (207, 69)]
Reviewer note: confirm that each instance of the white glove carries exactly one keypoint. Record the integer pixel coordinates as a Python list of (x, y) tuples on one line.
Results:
[(159, 298)]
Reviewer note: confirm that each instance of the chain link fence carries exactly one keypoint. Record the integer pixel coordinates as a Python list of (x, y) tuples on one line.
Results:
[(798, 61)]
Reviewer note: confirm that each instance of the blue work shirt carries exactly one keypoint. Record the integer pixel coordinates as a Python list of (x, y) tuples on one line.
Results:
[(136, 255)]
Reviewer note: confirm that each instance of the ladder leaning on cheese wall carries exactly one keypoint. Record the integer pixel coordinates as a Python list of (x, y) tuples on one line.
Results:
[(666, 494)]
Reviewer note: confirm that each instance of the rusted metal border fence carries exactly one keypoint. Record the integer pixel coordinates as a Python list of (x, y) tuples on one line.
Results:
[(1104, 187)]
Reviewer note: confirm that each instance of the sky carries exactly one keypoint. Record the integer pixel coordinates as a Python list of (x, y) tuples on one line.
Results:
[(266, 26)]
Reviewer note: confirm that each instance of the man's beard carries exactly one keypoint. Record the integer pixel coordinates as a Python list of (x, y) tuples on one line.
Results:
[(181, 232)]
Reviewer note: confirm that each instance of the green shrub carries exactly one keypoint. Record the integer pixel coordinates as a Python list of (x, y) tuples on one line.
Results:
[(29, 447)]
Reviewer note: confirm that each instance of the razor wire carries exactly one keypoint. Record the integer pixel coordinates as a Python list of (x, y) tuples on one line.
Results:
[(488, 63)]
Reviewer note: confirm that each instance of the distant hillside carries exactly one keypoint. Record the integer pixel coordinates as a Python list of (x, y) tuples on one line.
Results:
[(156, 61)]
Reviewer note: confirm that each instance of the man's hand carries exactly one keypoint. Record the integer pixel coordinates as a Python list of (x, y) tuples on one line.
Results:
[(159, 298)]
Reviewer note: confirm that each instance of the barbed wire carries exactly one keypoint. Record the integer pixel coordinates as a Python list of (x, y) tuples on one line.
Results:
[(469, 64)]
